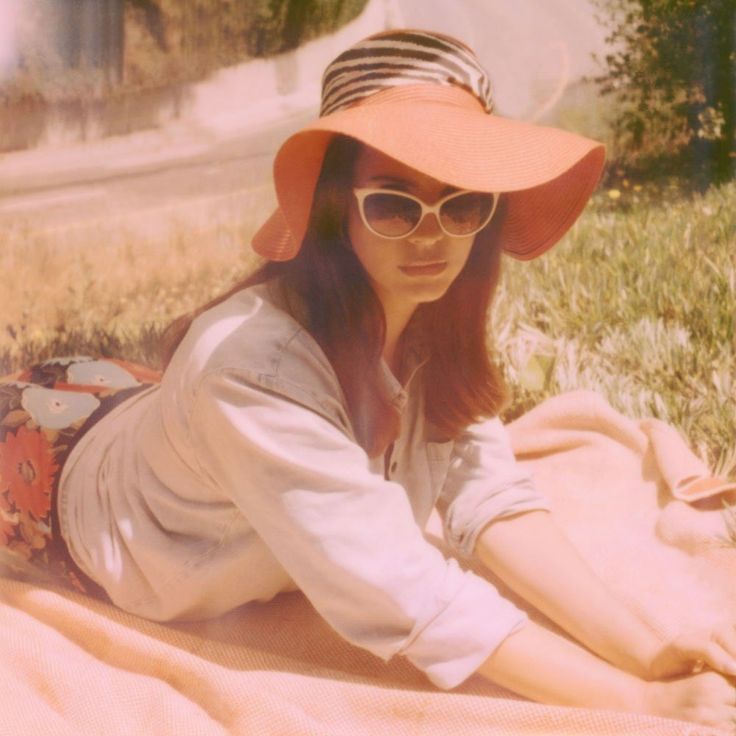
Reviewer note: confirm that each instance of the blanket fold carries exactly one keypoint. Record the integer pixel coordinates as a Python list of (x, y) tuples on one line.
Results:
[(642, 508)]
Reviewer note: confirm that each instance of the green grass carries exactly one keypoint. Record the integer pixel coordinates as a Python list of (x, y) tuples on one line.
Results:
[(72, 296), (638, 302)]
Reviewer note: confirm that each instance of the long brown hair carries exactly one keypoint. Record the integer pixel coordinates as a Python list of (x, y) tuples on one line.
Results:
[(345, 317)]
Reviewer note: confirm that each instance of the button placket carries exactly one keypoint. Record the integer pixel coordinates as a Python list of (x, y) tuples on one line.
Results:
[(390, 465)]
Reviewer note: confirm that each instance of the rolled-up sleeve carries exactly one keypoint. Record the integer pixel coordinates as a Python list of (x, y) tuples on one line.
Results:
[(346, 536), (483, 483)]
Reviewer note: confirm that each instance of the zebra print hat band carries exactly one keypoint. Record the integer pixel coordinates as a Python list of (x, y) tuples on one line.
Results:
[(398, 58), (423, 99)]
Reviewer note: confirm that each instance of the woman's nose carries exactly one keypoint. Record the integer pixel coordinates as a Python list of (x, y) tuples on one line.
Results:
[(428, 231)]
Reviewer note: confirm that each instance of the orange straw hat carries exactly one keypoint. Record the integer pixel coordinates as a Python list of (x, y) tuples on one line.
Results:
[(423, 99)]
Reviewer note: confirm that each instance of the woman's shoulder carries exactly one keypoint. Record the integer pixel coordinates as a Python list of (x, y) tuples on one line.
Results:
[(254, 335), (255, 316)]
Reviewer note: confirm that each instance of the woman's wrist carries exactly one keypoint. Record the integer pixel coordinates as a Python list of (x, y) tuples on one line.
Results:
[(548, 668), (639, 658)]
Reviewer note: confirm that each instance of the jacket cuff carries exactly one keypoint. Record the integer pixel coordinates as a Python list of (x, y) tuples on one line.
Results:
[(465, 633), (466, 518)]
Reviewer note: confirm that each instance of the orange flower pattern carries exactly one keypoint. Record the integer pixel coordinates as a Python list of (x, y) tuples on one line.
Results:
[(44, 411), (27, 470), (7, 528)]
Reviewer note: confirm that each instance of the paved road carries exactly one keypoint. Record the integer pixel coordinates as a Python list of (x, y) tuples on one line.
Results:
[(189, 184)]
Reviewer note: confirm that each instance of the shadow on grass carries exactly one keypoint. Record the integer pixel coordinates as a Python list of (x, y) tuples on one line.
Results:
[(141, 346)]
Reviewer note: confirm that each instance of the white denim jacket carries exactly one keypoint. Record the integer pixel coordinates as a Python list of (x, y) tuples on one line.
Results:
[(240, 477)]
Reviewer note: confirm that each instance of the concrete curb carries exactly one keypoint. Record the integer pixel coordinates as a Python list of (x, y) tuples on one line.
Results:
[(282, 86)]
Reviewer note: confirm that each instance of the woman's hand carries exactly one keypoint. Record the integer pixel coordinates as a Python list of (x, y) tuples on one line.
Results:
[(693, 650), (707, 698), (546, 667)]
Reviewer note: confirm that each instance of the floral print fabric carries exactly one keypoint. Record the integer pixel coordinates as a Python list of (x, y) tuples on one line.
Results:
[(44, 411)]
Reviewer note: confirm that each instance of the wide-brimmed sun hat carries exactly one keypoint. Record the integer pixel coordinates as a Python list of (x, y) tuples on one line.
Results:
[(424, 99)]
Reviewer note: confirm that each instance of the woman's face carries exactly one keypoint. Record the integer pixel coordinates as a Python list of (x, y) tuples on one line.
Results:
[(415, 269)]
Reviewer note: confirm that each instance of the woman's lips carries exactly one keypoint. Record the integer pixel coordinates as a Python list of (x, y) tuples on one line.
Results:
[(424, 269)]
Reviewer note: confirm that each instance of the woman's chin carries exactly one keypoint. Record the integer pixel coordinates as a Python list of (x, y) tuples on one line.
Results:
[(427, 292)]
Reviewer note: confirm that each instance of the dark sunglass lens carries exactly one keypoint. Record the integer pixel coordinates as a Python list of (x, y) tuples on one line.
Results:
[(466, 213), (392, 215)]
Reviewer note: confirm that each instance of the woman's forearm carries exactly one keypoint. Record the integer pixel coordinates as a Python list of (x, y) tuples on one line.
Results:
[(545, 667), (532, 555)]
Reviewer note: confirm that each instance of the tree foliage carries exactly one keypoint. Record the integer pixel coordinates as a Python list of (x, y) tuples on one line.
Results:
[(110, 66), (672, 70), (66, 52), (191, 39)]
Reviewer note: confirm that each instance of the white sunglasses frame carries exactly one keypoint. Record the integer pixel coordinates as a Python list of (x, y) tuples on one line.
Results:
[(362, 192)]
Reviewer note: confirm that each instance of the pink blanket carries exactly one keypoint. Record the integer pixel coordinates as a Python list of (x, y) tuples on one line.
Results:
[(70, 665)]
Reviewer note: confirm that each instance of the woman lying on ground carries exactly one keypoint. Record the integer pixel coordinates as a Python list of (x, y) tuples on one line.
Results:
[(309, 420)]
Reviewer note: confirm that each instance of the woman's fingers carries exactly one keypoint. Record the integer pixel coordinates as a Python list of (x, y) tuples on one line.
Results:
[(708, 698), (725, 638), (717, 651), (721, 661)]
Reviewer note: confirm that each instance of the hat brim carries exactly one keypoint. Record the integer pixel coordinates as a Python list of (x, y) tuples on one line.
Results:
[(546, 174)]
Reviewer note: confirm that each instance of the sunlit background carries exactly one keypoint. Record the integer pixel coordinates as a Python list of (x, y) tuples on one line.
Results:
[(137, 136), (9, 12)]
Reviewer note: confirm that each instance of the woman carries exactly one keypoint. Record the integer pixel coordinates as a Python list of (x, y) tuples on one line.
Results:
[(309, 420)]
